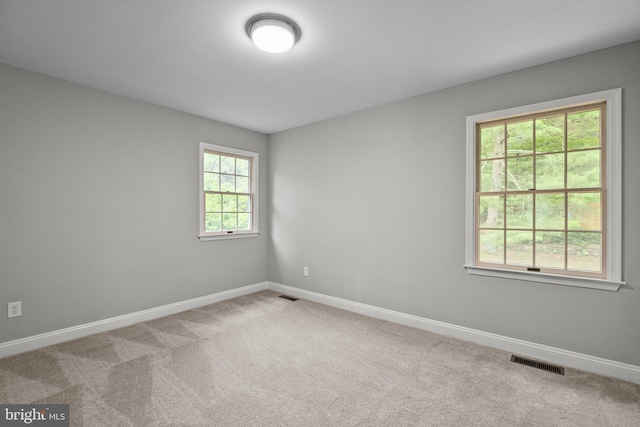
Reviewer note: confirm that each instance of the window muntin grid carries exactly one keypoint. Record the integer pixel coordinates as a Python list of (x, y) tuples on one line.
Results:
[(540, 192), (228, 196)]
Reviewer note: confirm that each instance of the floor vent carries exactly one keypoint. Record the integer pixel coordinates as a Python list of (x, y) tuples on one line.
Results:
[(289, 298), (538, 365)]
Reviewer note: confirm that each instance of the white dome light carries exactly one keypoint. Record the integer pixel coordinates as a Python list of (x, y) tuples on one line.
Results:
[(273, 33)]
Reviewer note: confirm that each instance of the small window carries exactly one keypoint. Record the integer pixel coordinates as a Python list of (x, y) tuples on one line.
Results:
[(228, 198), (544, 190)]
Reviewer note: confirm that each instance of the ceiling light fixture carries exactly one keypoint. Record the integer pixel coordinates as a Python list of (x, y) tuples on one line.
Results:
[(273, 33)]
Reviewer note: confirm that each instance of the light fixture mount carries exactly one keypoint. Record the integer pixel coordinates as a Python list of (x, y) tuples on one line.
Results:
[(272, 32)]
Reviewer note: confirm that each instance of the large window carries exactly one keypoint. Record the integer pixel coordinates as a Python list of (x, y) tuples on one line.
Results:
[(543, 193), (228, 199)]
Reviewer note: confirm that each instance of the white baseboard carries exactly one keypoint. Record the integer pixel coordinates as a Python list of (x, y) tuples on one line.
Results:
[(554, 355), (558, 356), (55, 337)]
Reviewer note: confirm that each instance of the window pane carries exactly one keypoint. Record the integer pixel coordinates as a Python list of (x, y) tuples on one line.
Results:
[(549, 172), (242, 184), (228, 165), (520, 173), (550, 134), (229, 203), (583, 169), (244, 204), (520, 211), (491, 212), (211, 162), (212, 203), (228, 183), (213, 222), (227, 198), (584, 211), (242, 167), (584, 251), (520, 138), (492, 142), (550, 249), (583, 130), (244, 221), (491, 246), (550, 211), (520, 247), (211, 181), (492, 175), (229, 221), (541, 190)]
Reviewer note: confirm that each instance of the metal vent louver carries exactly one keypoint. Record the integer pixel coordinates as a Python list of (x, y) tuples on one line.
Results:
[(538, 365)]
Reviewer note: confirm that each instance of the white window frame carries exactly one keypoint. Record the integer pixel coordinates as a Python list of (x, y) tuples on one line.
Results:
[(254, 232), (613, 170)]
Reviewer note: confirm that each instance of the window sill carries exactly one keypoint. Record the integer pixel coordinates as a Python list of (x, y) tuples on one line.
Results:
[(237, 235), (556, 279)]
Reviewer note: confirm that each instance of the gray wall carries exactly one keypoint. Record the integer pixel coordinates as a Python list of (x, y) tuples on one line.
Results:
[(99, 206), (374, 203), (98, 209)]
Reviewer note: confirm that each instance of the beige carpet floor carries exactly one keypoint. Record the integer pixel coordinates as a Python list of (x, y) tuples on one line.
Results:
[(263, 360)]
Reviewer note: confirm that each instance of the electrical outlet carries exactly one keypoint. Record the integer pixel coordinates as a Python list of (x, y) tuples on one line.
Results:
[(305, 271), (14, 309)]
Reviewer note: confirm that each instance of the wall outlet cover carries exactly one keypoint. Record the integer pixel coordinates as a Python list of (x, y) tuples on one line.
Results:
[(14, 309)]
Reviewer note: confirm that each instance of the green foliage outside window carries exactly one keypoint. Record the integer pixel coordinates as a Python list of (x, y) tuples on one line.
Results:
[(227, 184), (540, 191)]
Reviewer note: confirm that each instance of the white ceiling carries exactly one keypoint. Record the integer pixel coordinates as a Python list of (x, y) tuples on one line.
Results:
[(194, 56)]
